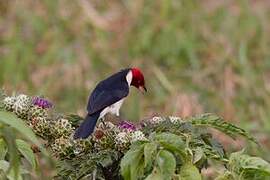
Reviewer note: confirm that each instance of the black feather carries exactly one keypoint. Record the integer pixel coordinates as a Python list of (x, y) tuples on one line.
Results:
[(87, 127), (106, 93)]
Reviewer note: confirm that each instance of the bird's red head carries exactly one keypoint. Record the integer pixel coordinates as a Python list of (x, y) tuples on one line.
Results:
[(138, 79)]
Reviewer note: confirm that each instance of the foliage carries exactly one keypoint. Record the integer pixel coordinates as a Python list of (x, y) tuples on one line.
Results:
[(13, 149), (197, 55), (218, 123), (99, 165), (157, 158), (244, 167), (16, 142), (186, 149), (157, 148), (215, 51)]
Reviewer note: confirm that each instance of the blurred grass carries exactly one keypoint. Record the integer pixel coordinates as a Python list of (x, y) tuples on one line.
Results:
[(198, 56)]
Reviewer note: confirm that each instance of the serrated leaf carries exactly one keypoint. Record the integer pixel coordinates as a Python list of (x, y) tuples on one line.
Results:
[(218, 123), (172, 142), (166, 163), (249, 167), (26, 151), (3, 149), (189, 172), (215, 146), (198, 155), (132, 164), (199, 158), (150, 149)]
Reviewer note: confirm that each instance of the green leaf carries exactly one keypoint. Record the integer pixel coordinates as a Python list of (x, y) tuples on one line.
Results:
[(9, 138), (218, 123), (4, 165), (3, 149), (249, 167), (11, 120), (166, 163), (198, 155), (150, 150), (226, 176), (27, 152), (217, 146), (12, 176), (74, 119), (132, 164), (155, 175), (199, 158), (189, 172), (172, 142), (211, 153)]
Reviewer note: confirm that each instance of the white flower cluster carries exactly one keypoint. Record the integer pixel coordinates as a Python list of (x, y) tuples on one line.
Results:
[(62, 147), (62, 127), (18, 104), (24, 108), (137, 136), (175, 119), (66, 147), (81, 145), (41, 127), (124, 139), (8, 103), (36, 112), (157, 120), (104, 135)]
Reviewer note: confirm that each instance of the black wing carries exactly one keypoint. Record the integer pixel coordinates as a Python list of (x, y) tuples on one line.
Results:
[(105, 99), (108, 92)]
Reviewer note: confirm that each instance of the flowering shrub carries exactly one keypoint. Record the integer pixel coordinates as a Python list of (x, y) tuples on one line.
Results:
[(157, 148)]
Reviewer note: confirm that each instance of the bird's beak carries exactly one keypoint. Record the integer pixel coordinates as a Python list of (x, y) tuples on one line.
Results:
[(143, 89)]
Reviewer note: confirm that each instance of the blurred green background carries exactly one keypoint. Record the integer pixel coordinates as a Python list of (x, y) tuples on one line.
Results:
[(197, 56)]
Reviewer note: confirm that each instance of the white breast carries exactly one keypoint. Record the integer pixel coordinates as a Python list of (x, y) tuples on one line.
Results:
[(115, 108)]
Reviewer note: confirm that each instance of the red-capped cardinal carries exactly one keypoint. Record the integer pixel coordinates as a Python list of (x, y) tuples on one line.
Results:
[(108, 97)]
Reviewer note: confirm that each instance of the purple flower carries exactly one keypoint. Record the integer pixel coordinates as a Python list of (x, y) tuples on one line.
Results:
[(43, 103), (127, 125)]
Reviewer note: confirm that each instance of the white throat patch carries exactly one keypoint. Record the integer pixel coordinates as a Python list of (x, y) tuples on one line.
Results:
[(129, 77)]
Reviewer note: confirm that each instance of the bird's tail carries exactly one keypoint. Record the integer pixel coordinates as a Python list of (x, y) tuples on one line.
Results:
[(87, 126)]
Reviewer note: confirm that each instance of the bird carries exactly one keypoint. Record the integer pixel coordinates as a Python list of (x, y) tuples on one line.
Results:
[(108, 97)]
